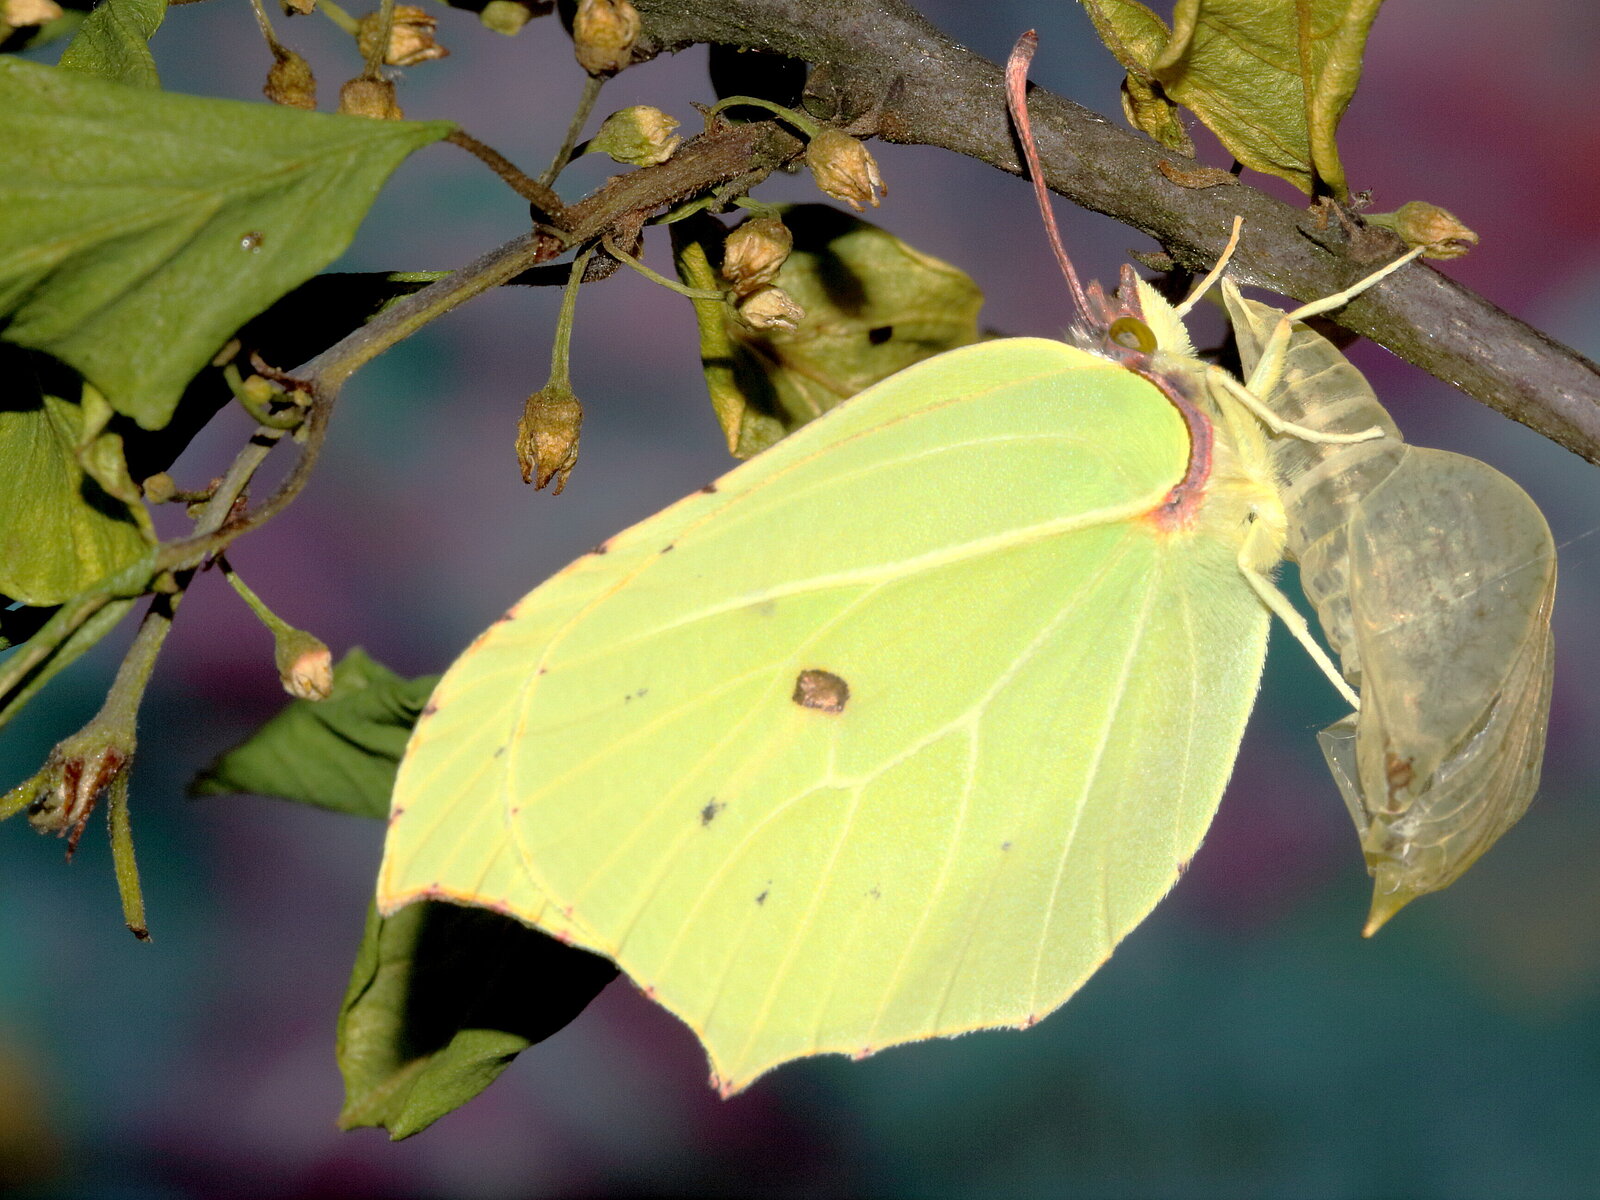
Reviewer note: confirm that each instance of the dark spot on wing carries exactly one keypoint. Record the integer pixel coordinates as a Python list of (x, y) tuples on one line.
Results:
[(639, 695), (762, 898), (515, 811), (873, 893), (544, 670), (668, 546), (822, 690), (709, 813), (499, 751), (395, 816), (1005, 845), (429, 709), (710, 489), (880, 334), (602, 548)]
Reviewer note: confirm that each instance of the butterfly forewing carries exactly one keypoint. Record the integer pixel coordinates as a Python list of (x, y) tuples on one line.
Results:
[(893, 734)]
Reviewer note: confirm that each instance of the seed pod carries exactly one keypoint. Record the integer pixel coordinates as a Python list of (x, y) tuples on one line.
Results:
[(1422, 224), (290, 81), (411, 39), (363, 97), (305, 666), (547, 436), (771, 308), (603, 35), (753, 253), (640, 136), (845, 169)]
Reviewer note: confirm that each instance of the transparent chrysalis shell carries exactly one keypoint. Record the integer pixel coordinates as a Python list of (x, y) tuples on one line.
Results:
[(1433, 576)]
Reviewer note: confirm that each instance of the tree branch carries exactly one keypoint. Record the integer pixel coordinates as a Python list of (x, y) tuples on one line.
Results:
[(885, 70)]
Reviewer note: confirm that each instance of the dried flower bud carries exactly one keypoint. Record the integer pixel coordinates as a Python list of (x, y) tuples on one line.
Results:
[(304, 664), (547, 436), (410, 36), (603, 35), (771, 308), (754, 253), (844, 169), (1422, 224), (640, 136), (18, 13), (290, 80), (363, 97), (298, 8)]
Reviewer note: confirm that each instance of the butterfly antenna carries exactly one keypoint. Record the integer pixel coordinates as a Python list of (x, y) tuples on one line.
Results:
[(1017, 102)]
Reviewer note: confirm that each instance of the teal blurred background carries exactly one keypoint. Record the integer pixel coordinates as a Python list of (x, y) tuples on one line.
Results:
[(1245, 1042)]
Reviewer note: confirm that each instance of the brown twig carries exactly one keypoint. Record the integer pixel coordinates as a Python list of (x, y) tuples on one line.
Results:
[(887, 71)]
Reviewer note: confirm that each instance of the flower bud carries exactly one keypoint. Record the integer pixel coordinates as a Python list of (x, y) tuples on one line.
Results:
[(844, 169), (509, 16), (547, 436), (410, 36), (753, 253), (363, 97), (640, 136), (18, 13), (304, 664), (290, 80), (159, 488), (771, 308), (603, 35), (1422, 224)]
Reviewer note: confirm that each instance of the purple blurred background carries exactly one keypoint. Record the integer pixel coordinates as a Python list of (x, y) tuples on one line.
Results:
[(1244, 1042)]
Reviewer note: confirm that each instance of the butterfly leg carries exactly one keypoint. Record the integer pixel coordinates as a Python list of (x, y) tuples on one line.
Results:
[(1269, 368), (1252, 552), (1264, 378)]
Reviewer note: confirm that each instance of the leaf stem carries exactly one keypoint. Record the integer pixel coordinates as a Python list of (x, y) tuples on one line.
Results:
[(656, 277), (536, 193), (339, 17), (560, 349), (807, 127), (580, 118), (379, 50)]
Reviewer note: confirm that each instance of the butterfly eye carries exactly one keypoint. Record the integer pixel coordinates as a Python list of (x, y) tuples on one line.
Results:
[(1132, 334)]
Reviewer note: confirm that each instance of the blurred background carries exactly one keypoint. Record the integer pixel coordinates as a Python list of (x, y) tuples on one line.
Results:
[(1244, 1042)]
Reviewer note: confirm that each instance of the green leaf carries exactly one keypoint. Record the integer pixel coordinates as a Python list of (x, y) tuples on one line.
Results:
[(441, 999), (62, 527), (143, 228), (873, 306), (1136, 37), (339, 753), (1271, 78), (113, 42)]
